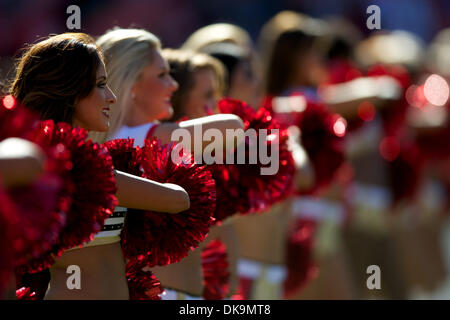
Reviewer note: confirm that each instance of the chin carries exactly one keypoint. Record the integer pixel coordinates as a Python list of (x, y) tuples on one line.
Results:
[(102, 128), (166, 115)]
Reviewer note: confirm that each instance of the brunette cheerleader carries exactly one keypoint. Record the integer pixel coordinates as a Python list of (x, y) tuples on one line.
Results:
[(63, 78), (233, 46)]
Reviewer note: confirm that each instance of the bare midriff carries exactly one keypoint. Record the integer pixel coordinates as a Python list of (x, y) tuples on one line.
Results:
[(186, 276), (102, 274), (262, 236)]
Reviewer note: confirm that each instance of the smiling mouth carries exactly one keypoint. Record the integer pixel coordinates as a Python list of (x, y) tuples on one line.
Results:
[(105, 112)]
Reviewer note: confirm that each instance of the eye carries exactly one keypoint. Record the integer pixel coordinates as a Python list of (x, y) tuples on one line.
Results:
[(101, 85), (163, 74)]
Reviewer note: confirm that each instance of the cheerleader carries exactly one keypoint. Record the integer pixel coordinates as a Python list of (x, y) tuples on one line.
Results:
[(201, 83), (140, 77), (233, 46), (286, 235), (63, 78)]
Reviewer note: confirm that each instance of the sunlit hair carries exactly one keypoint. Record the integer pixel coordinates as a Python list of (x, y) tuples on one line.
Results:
[(394, 47), (53, 75), (283, 39), (127, 52), (183, 66), (216, 33), (438, 55), (231, 56)]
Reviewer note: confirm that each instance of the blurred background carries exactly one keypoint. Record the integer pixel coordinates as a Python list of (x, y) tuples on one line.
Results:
[(173, 21)]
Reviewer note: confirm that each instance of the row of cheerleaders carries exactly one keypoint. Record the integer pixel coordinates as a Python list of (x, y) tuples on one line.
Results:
[(68, 204)]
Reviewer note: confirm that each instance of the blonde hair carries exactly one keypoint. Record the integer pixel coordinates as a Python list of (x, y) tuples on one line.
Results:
[(127, 52), (218, 32), (183, 65), (393, 47), (438, 55)]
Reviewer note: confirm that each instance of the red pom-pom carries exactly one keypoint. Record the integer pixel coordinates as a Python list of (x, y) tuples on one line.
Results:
[(8, 222), (125, 156), (40, 220), (40, 207), (342, 70), (227, 191), (25, 293), (163, 238), (142, 284), (37, 282), (216, 273), (393, 115), (299, 256), (90, 179), (242, 187), (322, 138), (405, 172), (16, 121)]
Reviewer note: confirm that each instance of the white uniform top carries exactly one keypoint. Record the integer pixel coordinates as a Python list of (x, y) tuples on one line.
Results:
[(138, 133)]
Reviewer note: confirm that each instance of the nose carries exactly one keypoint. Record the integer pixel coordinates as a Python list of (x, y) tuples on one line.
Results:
[(110, 96)]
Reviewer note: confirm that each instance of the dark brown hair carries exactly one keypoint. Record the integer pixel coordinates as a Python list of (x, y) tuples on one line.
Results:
[(53, 75), (283, 60)]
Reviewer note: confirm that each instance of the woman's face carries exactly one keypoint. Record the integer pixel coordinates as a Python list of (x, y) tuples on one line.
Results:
[(311, 70), (92, 112), (245, 84), (203, 95), (152, 91)]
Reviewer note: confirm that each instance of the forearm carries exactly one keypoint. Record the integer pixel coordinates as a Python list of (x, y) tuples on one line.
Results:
[(140, 193), (304, 176)]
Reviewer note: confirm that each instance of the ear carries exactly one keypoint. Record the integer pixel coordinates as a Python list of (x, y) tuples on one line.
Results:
[(133, 92)]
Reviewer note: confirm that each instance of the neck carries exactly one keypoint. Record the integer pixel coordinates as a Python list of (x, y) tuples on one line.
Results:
[(135, 118)]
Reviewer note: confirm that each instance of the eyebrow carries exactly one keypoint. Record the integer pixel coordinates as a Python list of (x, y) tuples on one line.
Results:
[(101, 78)]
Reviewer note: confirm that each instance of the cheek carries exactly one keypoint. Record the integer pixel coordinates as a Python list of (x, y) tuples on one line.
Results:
[(85, 110), (88, 111), (154, 88)]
